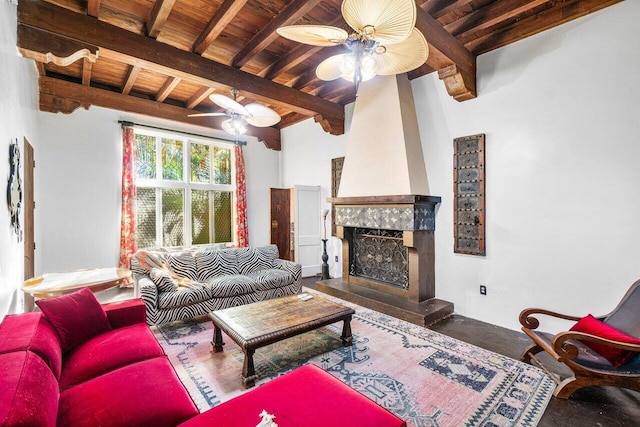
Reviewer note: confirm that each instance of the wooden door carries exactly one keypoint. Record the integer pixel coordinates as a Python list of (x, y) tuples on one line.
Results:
[(281, 222), (28, 209), (308, 222)]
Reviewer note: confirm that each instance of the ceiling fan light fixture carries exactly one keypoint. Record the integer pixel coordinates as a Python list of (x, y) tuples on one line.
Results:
[(234, 126)]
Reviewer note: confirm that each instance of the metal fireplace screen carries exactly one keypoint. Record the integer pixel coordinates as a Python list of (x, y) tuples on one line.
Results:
[(380, 255)]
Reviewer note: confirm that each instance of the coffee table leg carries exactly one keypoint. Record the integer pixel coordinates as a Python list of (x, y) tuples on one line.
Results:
[(217, 339), (248, 370), (347, 338)]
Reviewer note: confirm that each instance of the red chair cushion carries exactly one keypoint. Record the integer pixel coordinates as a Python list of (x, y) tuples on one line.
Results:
[(592, 326), (28, 391), (143, 394), (109, 351), (76, 317), (307, 396)]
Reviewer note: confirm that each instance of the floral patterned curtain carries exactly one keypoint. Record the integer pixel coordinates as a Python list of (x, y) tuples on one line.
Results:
[(241, 200), (128, 241)]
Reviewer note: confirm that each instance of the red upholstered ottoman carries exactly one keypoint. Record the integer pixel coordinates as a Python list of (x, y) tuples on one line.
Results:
[(307, 396)]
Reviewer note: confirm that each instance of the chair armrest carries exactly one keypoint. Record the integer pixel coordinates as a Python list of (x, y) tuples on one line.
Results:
[(125, 313), (567, 351), (529, 322)]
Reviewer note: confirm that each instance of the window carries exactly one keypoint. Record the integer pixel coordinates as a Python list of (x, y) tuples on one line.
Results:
[(185, 190)]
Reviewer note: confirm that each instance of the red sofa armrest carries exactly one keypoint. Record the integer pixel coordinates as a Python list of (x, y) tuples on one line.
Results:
[(125, 313)]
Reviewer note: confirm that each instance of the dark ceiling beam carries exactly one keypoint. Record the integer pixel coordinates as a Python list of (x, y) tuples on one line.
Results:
[(130, 80), (133, 49), (168, 86), (93, 8), (60, 96), (534, 24), (445, 50), (158, 17), (87, 66), (491, 15), (289, 15), (438, 8), (198, 97), (221, 18)]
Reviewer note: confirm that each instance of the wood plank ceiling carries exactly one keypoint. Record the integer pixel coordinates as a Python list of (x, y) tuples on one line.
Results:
[(164, 57)]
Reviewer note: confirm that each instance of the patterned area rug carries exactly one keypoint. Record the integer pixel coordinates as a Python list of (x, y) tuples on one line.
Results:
[(426, 378)]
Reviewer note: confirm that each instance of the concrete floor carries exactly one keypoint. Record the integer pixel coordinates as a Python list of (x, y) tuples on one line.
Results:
[(594, 406)]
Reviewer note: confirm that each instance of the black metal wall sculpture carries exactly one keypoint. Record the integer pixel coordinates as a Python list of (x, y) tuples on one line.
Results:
[(14, 188)]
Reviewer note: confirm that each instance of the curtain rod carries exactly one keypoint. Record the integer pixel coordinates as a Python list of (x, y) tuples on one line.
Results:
[(125, 123)]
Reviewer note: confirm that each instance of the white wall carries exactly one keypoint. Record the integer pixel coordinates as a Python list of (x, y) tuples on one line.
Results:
[(560, 114), (80, 194), (306, 160), (18, 106)]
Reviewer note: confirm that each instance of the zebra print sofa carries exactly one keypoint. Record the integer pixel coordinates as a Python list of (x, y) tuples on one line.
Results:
[(182, 285)]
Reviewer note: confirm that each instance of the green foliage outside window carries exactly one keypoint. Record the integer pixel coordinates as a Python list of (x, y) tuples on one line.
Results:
[(208, 208)]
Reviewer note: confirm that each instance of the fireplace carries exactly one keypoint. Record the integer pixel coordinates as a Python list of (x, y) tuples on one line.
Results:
[(383, 214), (387, 243)]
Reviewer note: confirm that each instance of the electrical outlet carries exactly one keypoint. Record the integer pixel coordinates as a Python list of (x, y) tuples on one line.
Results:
[(336, 258), (483, 290)]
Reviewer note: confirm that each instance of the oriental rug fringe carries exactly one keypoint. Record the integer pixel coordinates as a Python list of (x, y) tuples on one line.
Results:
[(424, 377)]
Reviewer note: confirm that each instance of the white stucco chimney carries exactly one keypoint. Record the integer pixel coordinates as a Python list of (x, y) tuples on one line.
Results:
[(383, 155)]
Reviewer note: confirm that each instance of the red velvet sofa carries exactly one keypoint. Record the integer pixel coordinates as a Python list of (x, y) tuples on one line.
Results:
[(77, 374), (118, 378)]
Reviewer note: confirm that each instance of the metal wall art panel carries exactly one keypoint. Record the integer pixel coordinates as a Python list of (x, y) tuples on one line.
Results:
[(469, 195)]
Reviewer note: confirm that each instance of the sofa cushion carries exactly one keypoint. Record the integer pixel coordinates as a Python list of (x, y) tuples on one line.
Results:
[(76, 317), (109, 351), (146, 393), (255, 259), (163, 280), (271, 278), (215, 263), (617, 357), (32, 331), (28, 391), (229, 286), (184, 296), (333, 404), (183, 264)]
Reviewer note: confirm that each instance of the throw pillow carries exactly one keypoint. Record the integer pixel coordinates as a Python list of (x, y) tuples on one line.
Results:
[(592, 326), (76, 317), (163, 280)]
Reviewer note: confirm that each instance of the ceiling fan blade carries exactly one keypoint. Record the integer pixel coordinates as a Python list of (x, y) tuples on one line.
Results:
[(404, 56), (315, 35), (228, 104), (206, 115), (329, 69), (261, 116), (392, 20)]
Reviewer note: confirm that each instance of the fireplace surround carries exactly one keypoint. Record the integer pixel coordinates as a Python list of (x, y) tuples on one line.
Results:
[(387, 243), (388, 255)]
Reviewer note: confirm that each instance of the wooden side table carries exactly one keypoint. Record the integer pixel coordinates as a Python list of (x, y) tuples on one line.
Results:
[(56, 284)]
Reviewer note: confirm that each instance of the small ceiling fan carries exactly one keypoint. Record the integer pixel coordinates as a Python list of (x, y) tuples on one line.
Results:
[(385, 40), (240, 115)]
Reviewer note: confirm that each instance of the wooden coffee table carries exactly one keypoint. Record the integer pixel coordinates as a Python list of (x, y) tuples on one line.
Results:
[(262, 323)]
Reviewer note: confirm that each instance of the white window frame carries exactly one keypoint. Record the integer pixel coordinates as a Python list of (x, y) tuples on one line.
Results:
[(186, 185)]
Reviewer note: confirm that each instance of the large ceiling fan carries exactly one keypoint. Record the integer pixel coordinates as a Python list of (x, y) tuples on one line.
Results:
[(240, 115), (385, 40)]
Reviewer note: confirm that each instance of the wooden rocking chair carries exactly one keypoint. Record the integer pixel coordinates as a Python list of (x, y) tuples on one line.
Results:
[(589, 367)]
